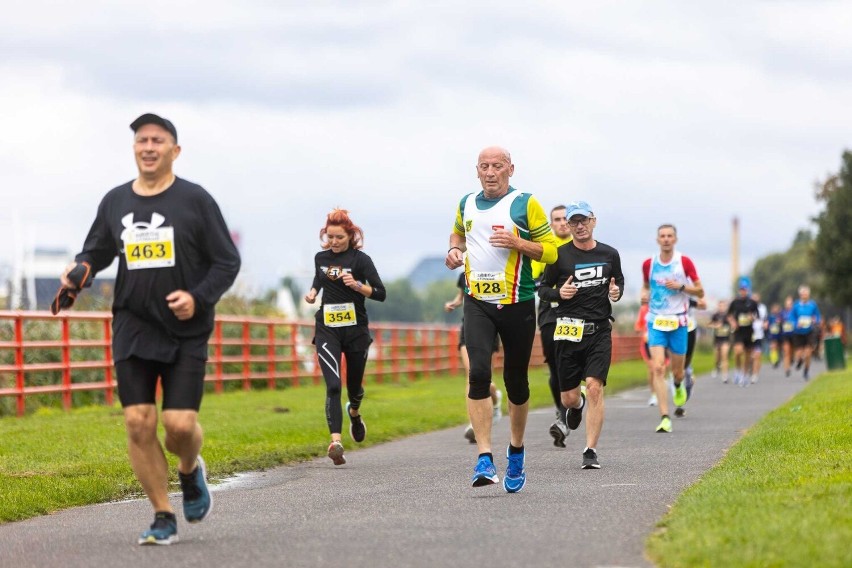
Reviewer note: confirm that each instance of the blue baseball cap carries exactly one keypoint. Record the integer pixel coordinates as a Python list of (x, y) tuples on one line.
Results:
[(578, 208)]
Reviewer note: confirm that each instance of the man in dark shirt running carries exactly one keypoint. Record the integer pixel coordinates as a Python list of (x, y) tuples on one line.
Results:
[(176, 259), (585, 278), (741, 315)]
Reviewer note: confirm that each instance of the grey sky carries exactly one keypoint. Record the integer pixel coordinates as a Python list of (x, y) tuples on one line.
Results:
[(653, 112)]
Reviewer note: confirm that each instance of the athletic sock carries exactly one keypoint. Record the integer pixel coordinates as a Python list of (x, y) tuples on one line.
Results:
[(488, 455), (513, 450)]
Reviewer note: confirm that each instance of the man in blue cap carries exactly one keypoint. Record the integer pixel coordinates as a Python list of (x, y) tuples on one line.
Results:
[(583, 282)]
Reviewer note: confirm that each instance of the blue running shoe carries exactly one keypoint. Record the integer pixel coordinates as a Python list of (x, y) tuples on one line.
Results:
[(197, 501), (484, 473), (162, 531), (516, 475)]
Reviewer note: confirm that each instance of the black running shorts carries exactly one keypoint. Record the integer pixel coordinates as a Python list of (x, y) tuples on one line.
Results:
[(744, 335), (590, 357), (182, 381)]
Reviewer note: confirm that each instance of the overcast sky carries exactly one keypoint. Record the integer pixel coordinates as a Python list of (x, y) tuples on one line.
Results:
[(654, 112)]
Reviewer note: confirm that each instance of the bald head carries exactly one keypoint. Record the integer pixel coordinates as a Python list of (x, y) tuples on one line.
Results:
[(496, 151), (494, 168)]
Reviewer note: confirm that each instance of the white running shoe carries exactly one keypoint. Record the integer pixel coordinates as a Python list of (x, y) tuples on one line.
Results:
[(653, 400), (469, 435)]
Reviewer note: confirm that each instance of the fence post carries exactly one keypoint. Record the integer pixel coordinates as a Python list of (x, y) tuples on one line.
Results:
[(218, 384), (395, 354), (246, 355), (378, 343), (66, 364), (295, 359), (19, 363), (270, 365), (108, 378)]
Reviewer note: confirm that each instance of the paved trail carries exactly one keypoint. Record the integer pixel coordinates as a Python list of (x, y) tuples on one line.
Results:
[(409, 503)]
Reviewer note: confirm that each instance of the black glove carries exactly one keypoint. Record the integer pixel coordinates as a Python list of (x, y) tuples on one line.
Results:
[(81, 277)]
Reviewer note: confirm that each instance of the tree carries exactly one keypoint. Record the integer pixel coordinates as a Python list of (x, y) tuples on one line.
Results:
[(435, 296), (834, 241), (779, 275), (403, 304)]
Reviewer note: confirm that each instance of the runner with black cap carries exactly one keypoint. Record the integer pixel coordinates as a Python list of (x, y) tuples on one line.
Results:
[(583, 281), (176, 259)]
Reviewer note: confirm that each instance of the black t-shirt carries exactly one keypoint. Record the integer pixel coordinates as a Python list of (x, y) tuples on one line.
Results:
[(328, 277), (744, 311), (175, 240), (724, 329), (592, 271)]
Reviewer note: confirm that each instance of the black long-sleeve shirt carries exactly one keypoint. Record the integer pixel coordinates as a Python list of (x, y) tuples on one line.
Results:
[(175, 240), (592, 270), (328, 277)]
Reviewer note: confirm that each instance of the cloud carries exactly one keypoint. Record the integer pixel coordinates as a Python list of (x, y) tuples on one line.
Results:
[(654, 111)]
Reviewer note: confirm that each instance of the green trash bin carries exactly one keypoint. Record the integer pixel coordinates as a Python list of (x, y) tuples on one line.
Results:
[(835, 358)]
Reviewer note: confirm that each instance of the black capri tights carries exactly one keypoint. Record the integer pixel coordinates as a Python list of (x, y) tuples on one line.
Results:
[(515, 323)]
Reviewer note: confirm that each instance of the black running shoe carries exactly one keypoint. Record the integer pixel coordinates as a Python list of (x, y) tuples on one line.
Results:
[(590, 459), (357, 428), (575, 415), (680, 412)]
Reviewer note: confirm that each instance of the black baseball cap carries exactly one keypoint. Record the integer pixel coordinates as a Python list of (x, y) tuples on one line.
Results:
[(150, 118)]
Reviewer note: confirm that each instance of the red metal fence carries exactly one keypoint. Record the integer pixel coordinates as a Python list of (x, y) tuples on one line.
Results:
[(61, 355)]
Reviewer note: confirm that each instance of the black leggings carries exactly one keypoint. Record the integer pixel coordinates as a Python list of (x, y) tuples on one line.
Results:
[(690, 347), (330, 355), (548, 348), (515, 323)]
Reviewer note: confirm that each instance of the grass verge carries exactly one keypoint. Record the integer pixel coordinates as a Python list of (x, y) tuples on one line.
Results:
[(780, 497), (52, 460)]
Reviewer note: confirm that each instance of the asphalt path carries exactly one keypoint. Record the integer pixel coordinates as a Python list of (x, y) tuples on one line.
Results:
[(409, 502)]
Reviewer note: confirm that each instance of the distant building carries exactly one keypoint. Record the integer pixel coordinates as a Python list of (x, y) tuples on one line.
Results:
[(428, 270), (35, 282)]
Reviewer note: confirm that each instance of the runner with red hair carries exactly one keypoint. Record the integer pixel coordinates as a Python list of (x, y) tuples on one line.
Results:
[(346, 276)]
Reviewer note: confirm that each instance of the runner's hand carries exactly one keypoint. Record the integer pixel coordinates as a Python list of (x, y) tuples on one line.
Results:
[(613, 290), (568, 290), (182, 304), (455, 258), (311, 296)]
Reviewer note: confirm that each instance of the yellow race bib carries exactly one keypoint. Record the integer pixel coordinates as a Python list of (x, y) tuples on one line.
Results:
[(149, 248), (666, 323), (488, 285), (744, 319), (339, 315), (568, 329)]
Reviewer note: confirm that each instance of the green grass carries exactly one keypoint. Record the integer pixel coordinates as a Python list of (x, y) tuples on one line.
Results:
[(782, 496), (52, 460)]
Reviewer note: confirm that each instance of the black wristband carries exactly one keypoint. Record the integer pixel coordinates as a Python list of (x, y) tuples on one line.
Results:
[(682, 287), (451, 248)]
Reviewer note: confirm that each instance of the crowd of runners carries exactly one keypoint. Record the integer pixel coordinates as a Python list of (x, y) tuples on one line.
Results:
[(788, 335), (524, 271)]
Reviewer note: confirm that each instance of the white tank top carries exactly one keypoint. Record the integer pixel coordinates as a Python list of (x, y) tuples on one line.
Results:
[(491, 272)]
